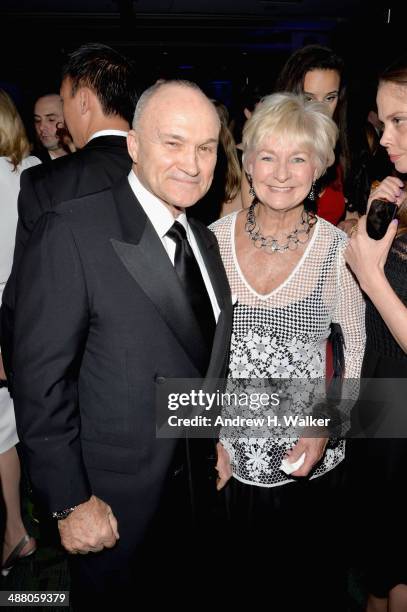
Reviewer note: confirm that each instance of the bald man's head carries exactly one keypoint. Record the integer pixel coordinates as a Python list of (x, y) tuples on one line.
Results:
[(174, 142), (164, 88)]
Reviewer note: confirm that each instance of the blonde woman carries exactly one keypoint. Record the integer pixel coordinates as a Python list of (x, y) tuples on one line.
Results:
[(286, 267), (14, 158)]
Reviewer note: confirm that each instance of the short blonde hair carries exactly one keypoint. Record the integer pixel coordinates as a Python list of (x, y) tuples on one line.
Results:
[(13, 139), (292, 117)]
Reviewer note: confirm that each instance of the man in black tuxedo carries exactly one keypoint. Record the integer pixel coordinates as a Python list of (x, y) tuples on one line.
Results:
[(99, 96), (112, 314)]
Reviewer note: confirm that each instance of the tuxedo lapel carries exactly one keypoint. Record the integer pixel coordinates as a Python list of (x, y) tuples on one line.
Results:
[(210, 253), (145, 258)]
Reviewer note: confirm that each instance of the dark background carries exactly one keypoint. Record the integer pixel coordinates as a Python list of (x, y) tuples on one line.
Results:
[(224, 45)]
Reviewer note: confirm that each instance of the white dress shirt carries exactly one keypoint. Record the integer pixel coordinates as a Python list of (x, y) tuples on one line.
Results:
[(108, 133), (162, 220)]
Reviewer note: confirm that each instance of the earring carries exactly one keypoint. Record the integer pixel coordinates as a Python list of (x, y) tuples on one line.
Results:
[(252, 193), (311, 195)]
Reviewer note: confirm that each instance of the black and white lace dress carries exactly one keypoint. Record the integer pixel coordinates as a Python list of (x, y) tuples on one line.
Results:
[(283, 335)]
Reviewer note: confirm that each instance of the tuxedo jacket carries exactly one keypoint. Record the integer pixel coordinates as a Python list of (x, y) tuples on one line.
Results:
[(102, 162), (101, 319)]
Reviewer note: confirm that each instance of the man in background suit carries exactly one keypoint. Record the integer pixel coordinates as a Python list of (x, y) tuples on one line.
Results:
[(110, 318), (98, 93)]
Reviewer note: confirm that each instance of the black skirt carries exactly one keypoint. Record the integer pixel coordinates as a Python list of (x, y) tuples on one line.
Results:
[(377, 470), (287, 543)]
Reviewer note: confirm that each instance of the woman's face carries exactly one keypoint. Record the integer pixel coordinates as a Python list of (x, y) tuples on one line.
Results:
[(323, 86), (282, 172), (392, 111)]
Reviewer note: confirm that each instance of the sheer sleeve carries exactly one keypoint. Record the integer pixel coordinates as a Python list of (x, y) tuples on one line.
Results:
[(350, 314)]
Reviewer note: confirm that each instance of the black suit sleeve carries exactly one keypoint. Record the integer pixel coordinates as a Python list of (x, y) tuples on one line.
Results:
[(51, 324), (29, 210)]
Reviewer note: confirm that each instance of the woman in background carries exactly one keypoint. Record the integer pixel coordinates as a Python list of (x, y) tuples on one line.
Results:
[(247, 103), (379, 466), (318, 73), (14, 158), (226, 178)]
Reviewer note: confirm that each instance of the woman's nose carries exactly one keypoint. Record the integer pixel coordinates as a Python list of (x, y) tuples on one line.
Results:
[(282, 171)]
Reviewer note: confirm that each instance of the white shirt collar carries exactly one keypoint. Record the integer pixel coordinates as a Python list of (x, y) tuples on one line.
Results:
[(162, 219), (156, 211), (108, 133)]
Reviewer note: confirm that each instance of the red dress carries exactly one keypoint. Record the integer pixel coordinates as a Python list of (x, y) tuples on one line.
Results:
[(331, 203), (331, 206)]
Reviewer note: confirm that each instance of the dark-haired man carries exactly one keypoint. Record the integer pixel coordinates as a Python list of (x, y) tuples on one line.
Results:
[(99, 96)]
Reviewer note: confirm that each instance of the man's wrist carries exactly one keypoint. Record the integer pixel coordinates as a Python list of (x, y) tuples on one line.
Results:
[(63, 514), (60, 515)]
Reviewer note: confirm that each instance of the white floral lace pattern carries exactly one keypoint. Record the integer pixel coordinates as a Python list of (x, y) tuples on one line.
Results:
[(263, 356)]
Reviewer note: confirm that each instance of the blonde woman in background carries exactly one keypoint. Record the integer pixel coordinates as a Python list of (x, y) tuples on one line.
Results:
[(14, 158)]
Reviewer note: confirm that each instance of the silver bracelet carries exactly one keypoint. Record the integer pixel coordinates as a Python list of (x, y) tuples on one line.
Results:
[(63, 514)]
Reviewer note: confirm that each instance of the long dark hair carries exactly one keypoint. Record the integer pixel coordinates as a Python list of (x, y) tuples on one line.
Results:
[(306, 59), (353, 157), (317, 57)]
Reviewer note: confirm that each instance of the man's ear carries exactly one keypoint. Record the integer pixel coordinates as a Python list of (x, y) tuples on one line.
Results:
[(84, 95), (132, 145)]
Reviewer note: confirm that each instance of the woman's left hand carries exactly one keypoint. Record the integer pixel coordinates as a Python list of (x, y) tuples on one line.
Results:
[(223, 466), (366, 257), (314, 449)]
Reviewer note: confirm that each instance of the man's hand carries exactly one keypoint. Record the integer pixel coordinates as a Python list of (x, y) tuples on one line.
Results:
[(223, 466), (89, 528), (314, 449)]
